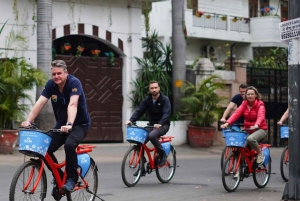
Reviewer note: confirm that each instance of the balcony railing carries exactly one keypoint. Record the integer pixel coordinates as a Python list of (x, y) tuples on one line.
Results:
[(225, 22)]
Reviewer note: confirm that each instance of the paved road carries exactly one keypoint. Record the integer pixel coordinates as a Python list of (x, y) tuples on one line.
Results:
[(198, 177)]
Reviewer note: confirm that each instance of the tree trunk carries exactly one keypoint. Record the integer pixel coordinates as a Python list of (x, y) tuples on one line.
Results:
[(179, 49), (45, 120)]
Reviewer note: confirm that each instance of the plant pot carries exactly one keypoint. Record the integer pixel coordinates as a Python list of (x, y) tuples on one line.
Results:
[(8, 141), (201, 136)]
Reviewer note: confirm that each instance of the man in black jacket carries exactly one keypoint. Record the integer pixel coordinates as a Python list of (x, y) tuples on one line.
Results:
[(158, 109)]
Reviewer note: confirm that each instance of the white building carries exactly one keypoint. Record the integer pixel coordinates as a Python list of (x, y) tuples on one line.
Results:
[(221, 24)]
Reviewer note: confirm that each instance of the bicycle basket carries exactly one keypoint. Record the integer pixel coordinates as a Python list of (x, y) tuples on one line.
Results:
[(34, 143), (136, 135), (284, 132), (236, 138), (235, 128)]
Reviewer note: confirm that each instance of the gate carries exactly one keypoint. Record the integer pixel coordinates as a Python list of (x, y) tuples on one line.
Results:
[(272, 84)]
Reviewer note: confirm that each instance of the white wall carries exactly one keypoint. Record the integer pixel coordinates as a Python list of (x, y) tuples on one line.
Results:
[(237, 8)]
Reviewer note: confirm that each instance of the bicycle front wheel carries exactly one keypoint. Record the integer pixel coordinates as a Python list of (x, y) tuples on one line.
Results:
[(166, 172), (130, 170), (225, 153), (22, 185), (91, 178), (231, 173), (284, 164), (261, 174)]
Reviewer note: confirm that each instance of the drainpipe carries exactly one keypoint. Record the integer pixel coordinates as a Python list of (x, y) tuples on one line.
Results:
[(231, 47)]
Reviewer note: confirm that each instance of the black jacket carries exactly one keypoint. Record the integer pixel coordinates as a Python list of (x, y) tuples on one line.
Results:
[(158, 113)]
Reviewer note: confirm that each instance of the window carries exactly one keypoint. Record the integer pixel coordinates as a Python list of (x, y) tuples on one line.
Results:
[(253, 6), (192, 4), (284, 10)]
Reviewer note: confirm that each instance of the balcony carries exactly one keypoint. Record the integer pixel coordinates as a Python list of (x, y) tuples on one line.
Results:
[(265, 31), (220, 27)]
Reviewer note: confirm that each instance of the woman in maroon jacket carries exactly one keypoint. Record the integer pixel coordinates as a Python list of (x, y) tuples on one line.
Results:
[(254, 112)]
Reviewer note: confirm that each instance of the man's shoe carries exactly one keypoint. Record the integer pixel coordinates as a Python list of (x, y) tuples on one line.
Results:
[(162, 159), (69, 186), (260, 159)]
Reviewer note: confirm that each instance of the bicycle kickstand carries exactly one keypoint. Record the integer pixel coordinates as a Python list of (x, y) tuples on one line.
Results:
[(87, 189)]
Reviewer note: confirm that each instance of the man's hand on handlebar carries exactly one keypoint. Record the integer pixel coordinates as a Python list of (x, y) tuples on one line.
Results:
[(26, 124), (127, 123), (156, 126), (66, 128)]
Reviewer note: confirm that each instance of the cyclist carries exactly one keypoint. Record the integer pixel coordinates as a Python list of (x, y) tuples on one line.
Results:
[(72, 117), (235, 101), (284, 117), (158, 109), (254, 113)]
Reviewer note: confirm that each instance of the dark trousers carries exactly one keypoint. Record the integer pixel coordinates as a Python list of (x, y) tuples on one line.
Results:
[(71, 141), (154, 135)]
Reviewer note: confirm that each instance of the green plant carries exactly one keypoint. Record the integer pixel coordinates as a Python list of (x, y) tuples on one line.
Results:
[(17, 76), (275, 58), (202, 101), (155, 66)]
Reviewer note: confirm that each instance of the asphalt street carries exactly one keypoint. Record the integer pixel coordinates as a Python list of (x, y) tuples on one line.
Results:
[(197, 177)]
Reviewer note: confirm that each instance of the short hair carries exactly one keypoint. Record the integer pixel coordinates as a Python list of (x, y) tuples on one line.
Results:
[(152, 82), (59, 63), (255, 91), (243, 86)]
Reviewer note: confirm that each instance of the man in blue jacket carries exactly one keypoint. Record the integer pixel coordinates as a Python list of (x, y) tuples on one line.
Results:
[(158, 109)]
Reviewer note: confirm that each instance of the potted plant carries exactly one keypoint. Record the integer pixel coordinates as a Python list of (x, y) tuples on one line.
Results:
[(17, 77), (202, 102)]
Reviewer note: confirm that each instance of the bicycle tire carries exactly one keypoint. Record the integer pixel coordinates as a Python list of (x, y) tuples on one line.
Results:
[(26, 170), (230, 184), (261, 174), (166, 172), (130, 165), (284, 164), (89, 193), (225, 153)]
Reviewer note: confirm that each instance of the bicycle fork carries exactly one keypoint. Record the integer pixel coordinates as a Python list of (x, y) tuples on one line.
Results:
[(36, 180)]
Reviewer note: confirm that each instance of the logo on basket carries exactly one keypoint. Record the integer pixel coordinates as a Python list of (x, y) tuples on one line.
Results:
[(28, 140), (231, 139), (33, 146), (132, 133), (46, 141), (83, 160)]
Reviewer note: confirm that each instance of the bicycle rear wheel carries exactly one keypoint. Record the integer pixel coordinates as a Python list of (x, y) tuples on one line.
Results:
[(284, 164), (166, 172), (89, 193), (261, 174), (24, 180), (130, 166), (230, 170)]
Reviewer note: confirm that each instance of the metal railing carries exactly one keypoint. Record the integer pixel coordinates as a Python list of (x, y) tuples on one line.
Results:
[(218, 22)]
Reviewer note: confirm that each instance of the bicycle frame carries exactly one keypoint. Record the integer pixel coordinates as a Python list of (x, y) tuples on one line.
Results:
[(246, 153), (150, 150), (55, 170)]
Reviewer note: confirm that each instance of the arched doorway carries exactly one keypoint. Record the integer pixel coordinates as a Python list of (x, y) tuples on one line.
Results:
[(101, 77)]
